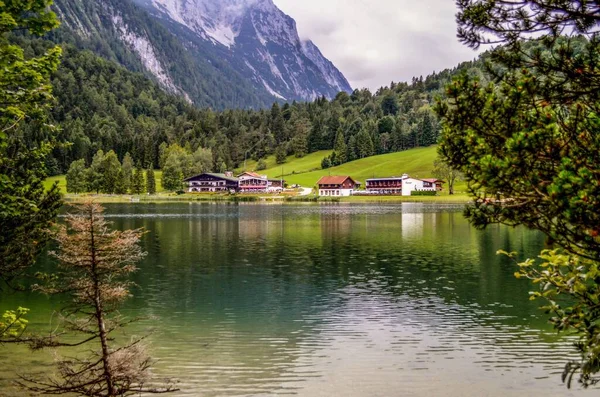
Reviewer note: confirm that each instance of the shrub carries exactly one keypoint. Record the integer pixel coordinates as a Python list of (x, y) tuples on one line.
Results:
[(423, 193)]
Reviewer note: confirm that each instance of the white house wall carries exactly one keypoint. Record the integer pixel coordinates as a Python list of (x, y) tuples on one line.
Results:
[(336, 192)]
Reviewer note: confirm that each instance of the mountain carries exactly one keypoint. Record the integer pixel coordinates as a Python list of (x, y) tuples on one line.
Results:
[(214, 53)]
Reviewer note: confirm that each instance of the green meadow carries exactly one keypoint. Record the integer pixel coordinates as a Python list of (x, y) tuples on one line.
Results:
[(306, 171)]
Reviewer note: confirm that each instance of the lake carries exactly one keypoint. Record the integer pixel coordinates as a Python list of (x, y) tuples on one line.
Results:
[(329, 300)]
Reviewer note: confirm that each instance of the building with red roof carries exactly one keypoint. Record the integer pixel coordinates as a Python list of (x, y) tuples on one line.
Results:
[(337, 186)]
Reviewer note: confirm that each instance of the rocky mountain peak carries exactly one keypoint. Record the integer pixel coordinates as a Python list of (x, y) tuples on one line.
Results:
[(263, 42)]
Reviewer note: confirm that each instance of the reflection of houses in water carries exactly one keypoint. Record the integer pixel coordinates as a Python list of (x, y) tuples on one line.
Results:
[(415, 220), (412, 225), (336, 225)]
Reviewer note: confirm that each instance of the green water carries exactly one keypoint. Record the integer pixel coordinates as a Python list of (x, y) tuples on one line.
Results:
[(329, 300)]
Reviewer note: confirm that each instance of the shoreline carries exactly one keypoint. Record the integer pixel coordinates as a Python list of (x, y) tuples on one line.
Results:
[(212, 198)]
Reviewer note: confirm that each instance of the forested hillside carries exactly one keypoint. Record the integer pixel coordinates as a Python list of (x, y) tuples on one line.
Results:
[(120, 31), (102, 106)]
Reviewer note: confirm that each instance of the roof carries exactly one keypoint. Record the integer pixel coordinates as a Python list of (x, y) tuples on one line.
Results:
[(252, 174), (334, 180), (215, 175), (432, 180)]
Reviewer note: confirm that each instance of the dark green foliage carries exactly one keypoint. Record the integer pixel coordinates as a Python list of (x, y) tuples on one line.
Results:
[(262, 165), (172, 177), (120, 187), (138, 185), (76, 177), (340, 148), (94, 174), (423, 193), (127, 175), (326, 163), (280, 155), (528, 147), (110, 172), (364, 145), (389, 104), (150, 181), (26, 208)]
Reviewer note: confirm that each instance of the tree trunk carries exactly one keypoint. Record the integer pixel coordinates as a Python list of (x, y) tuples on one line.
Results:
[(111, 392)]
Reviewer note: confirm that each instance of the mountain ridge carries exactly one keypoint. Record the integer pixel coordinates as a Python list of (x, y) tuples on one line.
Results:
[(226, 54)]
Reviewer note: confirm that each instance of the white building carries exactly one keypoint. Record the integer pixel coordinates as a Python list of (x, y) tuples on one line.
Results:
[(337, 186), (410, 185)]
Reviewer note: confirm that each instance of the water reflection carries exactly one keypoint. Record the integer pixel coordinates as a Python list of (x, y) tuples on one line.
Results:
[(337, 300)]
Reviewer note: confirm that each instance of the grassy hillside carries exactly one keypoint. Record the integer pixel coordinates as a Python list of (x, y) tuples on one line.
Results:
[(293, 165), (415, 162)]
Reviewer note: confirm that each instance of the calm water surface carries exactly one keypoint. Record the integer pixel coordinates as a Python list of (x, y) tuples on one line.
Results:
[(330, 300)]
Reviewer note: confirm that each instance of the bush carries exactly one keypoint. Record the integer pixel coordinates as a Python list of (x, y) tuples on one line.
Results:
[(262, 165), (423, 193)]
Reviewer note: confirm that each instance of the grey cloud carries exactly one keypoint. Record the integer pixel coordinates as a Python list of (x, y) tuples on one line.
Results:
[(376, 41)]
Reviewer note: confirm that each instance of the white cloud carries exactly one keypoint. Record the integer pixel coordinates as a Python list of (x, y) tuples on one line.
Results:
[(376, 41)]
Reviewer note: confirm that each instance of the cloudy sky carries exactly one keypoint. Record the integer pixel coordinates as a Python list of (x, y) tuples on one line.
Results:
[(376, 41)]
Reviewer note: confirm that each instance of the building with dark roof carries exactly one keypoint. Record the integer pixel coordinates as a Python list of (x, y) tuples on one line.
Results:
[(212, 183)]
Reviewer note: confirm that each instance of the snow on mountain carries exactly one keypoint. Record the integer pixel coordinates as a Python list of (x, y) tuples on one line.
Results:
[(262, 43)]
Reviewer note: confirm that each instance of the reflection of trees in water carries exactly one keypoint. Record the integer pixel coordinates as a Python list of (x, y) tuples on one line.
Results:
[(239, 285)]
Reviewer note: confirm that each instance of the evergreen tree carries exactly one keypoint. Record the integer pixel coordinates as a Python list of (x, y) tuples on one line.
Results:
[(138, 185), (352, 153), (150, 181), (120, 183), (364, 145), (95, 175), (277, 124), (128, 167), (222, 167), (389, 104), (527, 144), (110, 172), (76, 177), (280, 155), (428, 133), (386, 124), (340, 148), (27, 209)]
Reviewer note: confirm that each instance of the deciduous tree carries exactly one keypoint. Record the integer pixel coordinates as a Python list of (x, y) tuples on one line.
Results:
[(75, 177), (446, 173), (172, 177)]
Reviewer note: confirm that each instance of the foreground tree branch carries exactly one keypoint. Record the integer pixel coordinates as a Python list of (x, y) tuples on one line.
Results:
[(528, 145)]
